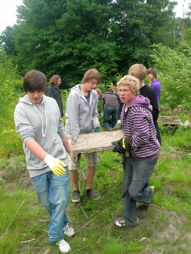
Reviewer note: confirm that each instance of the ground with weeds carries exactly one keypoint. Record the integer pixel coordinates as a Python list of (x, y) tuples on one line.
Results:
[(164, 226)]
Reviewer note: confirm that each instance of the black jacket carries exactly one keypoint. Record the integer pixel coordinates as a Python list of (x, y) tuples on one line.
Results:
[(54, 92), (148, 92)]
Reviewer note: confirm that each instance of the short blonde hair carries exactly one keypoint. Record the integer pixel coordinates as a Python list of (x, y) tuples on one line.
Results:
[(130, 81), (138, 70)]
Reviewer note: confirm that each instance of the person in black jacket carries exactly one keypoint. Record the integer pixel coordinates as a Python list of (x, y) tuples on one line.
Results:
[(54, 91), (140, 71)]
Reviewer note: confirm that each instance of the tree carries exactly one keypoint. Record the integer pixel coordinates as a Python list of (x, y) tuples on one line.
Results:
[(70, 36)]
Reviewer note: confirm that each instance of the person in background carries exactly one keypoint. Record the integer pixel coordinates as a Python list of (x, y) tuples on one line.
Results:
[(140, 146), (120, 103), (37, 121), (81, 118), (54, 91), (140, 71), (99, 93), (111, 108), (155, 83)]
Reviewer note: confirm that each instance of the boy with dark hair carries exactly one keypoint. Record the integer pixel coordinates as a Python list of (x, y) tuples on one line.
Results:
[(155, 83), (82, 117), (45, 146)]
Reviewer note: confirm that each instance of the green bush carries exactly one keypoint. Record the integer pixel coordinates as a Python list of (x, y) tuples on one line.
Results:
[(9, 97), (174, 74)]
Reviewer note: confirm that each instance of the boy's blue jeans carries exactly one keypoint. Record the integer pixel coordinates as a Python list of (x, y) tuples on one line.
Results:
[(53, 194), (135, 186)]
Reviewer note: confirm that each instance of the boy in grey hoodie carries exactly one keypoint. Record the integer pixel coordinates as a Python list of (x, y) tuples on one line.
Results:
[(37, 120), (82, 117)]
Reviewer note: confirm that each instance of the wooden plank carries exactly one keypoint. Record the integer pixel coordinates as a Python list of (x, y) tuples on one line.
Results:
[(96, 141), (170, 120)]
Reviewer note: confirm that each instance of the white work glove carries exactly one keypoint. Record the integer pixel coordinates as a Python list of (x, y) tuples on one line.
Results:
[(57, 166)]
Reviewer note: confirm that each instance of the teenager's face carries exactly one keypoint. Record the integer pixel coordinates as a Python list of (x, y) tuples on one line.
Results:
[(151, 76), (59, 82), (91, 84), (35, 96), (125, 94)]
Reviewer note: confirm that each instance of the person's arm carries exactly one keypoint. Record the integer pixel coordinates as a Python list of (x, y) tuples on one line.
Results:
[(27, 133), (35, 148), (95, 114), (157, 89), (154, 103), (140, 130), (66, 144), (72, 111), (55, 165)]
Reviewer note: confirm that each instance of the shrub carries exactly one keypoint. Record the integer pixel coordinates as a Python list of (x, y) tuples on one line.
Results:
[(174, 74), (8, 74)]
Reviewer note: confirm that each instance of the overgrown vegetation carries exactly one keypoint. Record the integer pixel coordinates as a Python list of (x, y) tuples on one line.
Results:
[(174, 74), (9, 83), (164, 227)]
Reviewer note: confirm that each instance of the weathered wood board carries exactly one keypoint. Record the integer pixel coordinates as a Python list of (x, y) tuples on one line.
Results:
[(170, 120), (96, 141)]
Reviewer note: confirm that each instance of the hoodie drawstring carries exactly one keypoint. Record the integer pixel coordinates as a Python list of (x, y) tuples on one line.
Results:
[(45, 113)]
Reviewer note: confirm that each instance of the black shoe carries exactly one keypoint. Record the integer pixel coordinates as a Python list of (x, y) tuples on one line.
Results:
[(121, 223), (93, 195)]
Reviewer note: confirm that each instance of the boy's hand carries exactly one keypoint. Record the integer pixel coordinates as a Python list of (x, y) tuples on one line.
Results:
[(122, 146), (56, 166), (99, 129), (116, 127)]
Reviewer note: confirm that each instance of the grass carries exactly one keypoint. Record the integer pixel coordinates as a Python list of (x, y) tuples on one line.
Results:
[(164, 226)]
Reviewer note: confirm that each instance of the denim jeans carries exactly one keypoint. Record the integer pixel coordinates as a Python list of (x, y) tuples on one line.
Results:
[(53, 194), (135, 186), (110, 117)]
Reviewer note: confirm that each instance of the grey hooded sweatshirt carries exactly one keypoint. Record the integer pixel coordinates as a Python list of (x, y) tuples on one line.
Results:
[(81, 116), (42, 123)]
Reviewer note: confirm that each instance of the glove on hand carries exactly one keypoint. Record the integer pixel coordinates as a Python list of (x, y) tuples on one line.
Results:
[(122, 146), (116, 127), (57, 166), (117, 146), (126, 143), (99, 129)]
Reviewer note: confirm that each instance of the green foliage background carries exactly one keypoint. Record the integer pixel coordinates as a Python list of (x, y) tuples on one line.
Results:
[(174, 74), (72, 36), (9, 81)]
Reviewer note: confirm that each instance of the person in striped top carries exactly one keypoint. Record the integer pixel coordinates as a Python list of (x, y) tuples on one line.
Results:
[(142, 145)]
